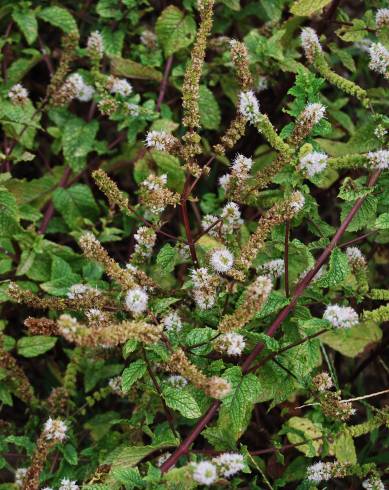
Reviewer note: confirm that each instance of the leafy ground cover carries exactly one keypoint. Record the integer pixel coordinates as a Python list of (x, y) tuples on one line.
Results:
[(194, 218)]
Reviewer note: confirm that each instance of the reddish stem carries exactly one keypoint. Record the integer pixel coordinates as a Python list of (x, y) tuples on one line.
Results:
[(286, 258), (212, 411), (185, 220), (164, 83)]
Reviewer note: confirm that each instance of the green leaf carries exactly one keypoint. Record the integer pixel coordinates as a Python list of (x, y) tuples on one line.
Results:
[(308, 7), (113, 41), (175, 30), (166, 258), (352, 341), (132, 373), (131, 69), (75, 203), (130, 456), (170, 165), (210, 116), (9, 217), (35, 346), (364, 218), (129, 347), (78, 139), (182, 401), (70, 454), (59, 17), (338, 270), (344, 449), (382, 222), (304, 429), (275, 302), (27, 23)]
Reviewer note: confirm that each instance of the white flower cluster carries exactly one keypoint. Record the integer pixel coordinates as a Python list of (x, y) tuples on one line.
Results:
[(319, 472), (373, 483), (232, 343), (379, 59), (221, 260), (172, 322), (275, 267), (95, 315), (119, 86), (382, 18), (155, 184), (231, 220), (249, 106), (18, 94), (313, 163), (83, 91), (310, 43), (261, 286), (341, 316), (355, 257), (67, 324), (95, 44), (380, 132), (77, 291), (240, 170), (116, 385), (177, 381), (204, 290), (225, 465), (148, 38), (379, 159), (314, 112), (20, 473), (297, 202), (136, 300), (67, 484), (160, 140), (55, 430), (145, 238)]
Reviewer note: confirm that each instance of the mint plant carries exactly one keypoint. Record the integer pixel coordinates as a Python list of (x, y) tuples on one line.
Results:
[(194, 214)]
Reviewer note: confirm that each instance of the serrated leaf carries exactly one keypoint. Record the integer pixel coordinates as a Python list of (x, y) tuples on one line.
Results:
[(338, 270), (352, 341), (132, 373), (59, 17), (122, 67), (365, 216), (304, 429), (209, 109), (344, 449), (113, 41), (70, 454), (27, 23), (74, 204), (166, 257), (175, 30), (275, 302), (308, 7), (78, 139), (182, 401), (35, 346), (129, 347), (382, 222)]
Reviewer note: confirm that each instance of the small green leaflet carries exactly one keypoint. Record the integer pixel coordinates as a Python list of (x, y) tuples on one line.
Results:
[(182, 401), (35, 346), (307, 7), (175, 30), (338, 270), (132, 373)]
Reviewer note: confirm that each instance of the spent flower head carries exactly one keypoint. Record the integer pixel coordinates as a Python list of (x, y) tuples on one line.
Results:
[(310, 43)]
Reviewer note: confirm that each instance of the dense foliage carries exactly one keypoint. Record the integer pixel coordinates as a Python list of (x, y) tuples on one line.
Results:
[(194, 213)]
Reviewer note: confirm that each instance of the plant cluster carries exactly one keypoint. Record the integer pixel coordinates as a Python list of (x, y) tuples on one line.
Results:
[(194, 210)]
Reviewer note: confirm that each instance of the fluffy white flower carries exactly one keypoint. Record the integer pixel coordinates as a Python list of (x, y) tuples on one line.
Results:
[(382, 17), (297, 202), (145, 240), (18, 94), (224, 181), (82, 91), (204, 288), (205, 473), (232, 343), (20, 473), (177, 380), (379, 159), (275, 267), (67, 484), (77, 291), (228, 464), (95, 43), (119, 86), (310, 43), (249, 106), (172, 322), (116, 385), (221, 260), (241, 165), (313, 163), (55, 429), (314, 112), (379, 58), (341, 316), (160, 140), (136, 300), (355, 256), (231, 214), (95, 315), (319, 472), (373, 483)]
